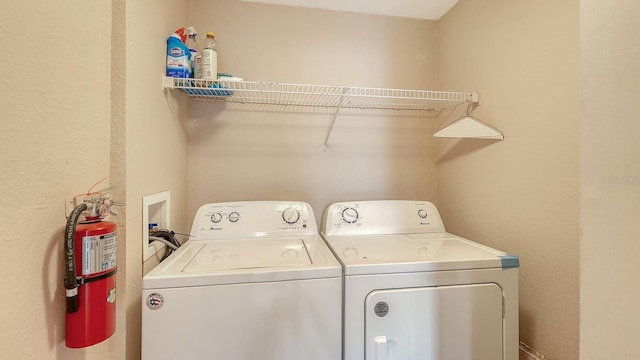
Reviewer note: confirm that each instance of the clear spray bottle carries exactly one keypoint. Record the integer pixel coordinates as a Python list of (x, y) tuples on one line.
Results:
[(193, 49)]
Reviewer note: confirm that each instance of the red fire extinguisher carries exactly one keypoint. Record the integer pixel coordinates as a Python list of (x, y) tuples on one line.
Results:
[(90, 269)]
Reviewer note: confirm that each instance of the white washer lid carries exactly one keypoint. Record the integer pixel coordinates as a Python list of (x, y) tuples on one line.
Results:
[(383, 254), (251, 254), (201, 263)]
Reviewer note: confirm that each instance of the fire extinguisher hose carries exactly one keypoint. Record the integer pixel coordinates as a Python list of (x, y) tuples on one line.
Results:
[(70, 281)]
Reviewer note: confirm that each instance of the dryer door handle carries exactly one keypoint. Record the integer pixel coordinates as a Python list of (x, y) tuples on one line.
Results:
[(381, 347)]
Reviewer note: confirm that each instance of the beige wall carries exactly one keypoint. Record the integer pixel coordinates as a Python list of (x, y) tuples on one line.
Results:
[(610, 179), (67, 123), (54, 143), (156, 148), (244, 153), (520, 195)]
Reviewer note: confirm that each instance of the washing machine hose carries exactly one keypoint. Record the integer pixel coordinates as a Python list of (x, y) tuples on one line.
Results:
[(168, 238)]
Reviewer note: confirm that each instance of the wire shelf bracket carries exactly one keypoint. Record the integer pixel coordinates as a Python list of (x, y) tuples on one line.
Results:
[(333, 121)]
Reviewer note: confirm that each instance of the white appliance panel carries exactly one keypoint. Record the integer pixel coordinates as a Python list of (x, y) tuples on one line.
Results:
[(267, 321), (376, 254), (250, 254), (358, 287), (233, 220), (433, 323), (381, 217), (190, 266)]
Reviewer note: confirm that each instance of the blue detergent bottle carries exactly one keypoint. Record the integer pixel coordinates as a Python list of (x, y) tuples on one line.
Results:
[(178, 57)]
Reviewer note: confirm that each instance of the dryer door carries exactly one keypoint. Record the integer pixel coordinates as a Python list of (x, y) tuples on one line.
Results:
[(434, 323)]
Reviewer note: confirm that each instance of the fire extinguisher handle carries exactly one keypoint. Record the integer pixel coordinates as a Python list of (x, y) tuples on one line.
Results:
[(70, 285), (72, 297)]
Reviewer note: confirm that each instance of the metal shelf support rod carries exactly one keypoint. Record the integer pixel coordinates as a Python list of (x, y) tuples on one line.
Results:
[(333, 120)]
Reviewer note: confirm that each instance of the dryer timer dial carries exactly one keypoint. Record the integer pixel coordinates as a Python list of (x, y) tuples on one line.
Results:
[(349, 215)]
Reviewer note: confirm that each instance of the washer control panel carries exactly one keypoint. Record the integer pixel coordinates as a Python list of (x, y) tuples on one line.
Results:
[(233, 220), (381, 217)]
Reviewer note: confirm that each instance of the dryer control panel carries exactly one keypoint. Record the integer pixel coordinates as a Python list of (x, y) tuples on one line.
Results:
[(250, 219), (382, 217)]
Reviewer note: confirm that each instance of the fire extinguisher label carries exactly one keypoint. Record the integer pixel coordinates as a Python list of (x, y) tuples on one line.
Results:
[(112, 296), (98, 253)]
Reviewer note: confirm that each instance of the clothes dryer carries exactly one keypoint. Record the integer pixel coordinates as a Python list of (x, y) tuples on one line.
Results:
[(254, 281), (414, 291)]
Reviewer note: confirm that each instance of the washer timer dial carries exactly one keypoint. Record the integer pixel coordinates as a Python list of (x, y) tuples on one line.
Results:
[(422, 213), (350, 215), (291, 215), (216, 217)]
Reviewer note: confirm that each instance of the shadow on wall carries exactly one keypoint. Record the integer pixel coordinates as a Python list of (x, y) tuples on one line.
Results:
[(178, 104), (462, 147), (52, 278)]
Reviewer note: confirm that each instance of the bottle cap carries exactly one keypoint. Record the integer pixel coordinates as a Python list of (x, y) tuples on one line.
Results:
[(180, 32), (210, 33)]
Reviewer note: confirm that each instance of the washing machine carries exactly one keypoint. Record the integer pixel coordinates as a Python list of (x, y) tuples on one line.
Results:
[(254, 281), (414, 291)]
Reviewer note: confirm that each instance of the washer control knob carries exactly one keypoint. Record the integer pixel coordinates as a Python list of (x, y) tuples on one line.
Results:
[(234, 216), (350, 215), (216, 217), (422, 213), (291, 215)]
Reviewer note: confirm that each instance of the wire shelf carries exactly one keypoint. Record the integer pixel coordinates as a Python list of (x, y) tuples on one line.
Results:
[(426, 102), (317, 95)]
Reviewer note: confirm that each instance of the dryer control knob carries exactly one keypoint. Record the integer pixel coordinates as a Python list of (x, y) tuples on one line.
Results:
[(350, 215), (422, 213)]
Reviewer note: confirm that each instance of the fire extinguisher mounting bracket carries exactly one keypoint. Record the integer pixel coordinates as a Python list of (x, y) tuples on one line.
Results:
[(83, 280)]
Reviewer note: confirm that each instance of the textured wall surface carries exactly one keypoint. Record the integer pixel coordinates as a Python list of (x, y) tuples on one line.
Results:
[(82, 100), (156, 148), (245, 153), (54, 143), (610, 178), (520, 195)]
